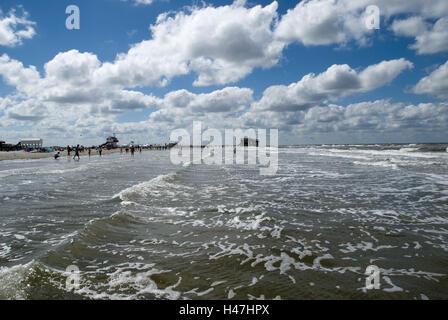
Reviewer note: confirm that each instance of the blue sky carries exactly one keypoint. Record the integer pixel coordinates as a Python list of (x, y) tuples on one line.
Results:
[(414, 95)]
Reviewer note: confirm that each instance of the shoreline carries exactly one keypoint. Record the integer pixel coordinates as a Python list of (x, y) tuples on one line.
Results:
[(22, 155)]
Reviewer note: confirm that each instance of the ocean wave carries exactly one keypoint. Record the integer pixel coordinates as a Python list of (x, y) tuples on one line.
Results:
[(43, 171), (409, 149), (430, 148), (11, 281), (105, 283), (147, 188), (409, 152), (385, 164), (340, 155), (135, 277), (389, 153), (119, 218)]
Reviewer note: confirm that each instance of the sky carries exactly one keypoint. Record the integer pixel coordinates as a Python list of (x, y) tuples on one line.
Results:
[(319, 71)]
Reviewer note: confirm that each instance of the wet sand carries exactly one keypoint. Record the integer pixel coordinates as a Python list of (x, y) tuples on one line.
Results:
[(22, 155)]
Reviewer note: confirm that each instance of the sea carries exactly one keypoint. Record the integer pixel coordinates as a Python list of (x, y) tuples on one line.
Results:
[(122, 227)]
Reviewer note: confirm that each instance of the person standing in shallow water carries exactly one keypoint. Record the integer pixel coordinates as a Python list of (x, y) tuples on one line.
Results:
[(100, 151), (90, 152), (132, 150), (68, 150), (77, 153)]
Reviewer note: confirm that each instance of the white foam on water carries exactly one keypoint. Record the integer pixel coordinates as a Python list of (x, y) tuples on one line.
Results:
[(253, 224), (4, 250), (10, 281), (144, 284), (389, 153), (340, 155), (32, 171), (433, 276), (239, 210), (385, 164), (217, 283), (393, 288), (317, 262), (12, 172), (146, 188), (327, 174), (363, 246), (135, 277), (200, 294), (390, 214), (409, 149), (187, 164)]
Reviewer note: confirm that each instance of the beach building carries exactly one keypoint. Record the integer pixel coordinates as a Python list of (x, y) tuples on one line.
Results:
[(31, 143), (9, 147), (111, 143), (247, 142)]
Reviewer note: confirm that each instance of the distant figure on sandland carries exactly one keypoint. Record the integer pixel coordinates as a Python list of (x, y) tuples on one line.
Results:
[(100, 151), (77, 153), (121, 149), (140, 148), (90, 152), (57, 155)]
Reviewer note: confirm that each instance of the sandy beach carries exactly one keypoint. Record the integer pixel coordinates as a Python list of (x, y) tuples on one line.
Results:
[(22, 155)]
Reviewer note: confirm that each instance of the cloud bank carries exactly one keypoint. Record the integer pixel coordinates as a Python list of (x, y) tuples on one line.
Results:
[(220, 46)]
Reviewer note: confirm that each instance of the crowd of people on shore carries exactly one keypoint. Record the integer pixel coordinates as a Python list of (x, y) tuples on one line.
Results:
[(99, 150), (77, 150)]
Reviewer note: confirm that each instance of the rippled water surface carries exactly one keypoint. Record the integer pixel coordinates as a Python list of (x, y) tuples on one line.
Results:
[(143, 228)]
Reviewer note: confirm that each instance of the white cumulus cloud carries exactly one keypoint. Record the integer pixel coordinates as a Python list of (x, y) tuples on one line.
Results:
[(337, 81), (326, 22), (15, 27), (435, 84), (220, 44)]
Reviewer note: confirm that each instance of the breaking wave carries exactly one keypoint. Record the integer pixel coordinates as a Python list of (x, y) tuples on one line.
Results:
[(147, 188)]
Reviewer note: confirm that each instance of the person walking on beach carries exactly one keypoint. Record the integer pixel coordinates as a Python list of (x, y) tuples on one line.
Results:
[(100, 151), (77, 153), (132, 150)]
